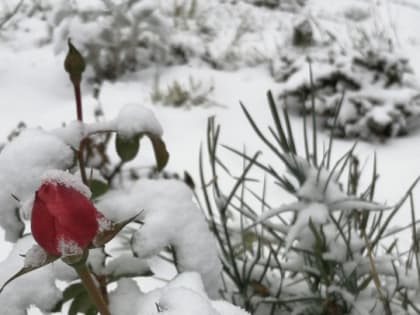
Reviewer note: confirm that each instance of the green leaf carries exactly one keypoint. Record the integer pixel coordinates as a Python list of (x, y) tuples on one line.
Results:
[(127, 148), (92, 311), (161, 154), (81, 303), (98, 188), (69, 293), (73, 290)]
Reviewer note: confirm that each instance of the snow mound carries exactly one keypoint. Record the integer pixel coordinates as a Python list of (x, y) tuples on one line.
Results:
[(18, 296), (170, 218), (22, 163), (183, 295)]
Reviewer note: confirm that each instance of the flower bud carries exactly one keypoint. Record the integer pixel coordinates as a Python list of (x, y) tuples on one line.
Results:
[(74, 64)]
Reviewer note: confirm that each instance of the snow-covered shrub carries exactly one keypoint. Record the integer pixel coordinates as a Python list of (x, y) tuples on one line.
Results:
[(378, 92), (114, 37), (50, 177), (8, 12), (284, 4), (131, 35), (324, 252), (177, 94)]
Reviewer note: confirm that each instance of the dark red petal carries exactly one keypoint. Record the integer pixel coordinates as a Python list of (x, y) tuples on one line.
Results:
[(43, 227)]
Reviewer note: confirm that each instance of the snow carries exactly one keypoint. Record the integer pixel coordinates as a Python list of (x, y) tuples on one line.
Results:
[(182, 295), (127, 291), (71, 134), (35, 90), (22, 164), (103, 224), (313, 212), (126, 264), (170, 218), (69, 248), (35, 257), (19, 295), (134, 119), (58, 177)]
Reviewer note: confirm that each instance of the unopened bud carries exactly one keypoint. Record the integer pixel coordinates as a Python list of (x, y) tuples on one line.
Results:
[(74, 64)]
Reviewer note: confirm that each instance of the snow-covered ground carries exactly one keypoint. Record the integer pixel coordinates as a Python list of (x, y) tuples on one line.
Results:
[(35, 89)]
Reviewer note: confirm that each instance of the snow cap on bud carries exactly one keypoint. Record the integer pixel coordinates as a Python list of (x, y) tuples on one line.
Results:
[(64, 221), (74, 64)]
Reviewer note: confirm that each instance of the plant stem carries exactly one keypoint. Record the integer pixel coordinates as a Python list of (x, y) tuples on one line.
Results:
[(77, 93), (78, 100), (82, 163), (94, 293)]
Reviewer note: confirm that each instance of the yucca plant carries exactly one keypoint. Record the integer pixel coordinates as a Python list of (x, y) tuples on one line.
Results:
[(327, 252)]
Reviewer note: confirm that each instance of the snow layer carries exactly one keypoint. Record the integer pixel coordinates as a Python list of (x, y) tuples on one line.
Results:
[(35, 288), (184, 295), (170, 218), (133, 119), (22, 163), (66, 179)]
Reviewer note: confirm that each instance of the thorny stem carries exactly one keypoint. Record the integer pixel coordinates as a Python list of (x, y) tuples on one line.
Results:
[(93, 291)]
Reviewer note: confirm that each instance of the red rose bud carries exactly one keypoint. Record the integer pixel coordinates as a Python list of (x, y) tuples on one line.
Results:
[(64, 221)]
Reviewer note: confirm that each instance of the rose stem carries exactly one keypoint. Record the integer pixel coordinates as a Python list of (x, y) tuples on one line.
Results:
[(78, 101), (94, 293), (74, 64), (82, 143)]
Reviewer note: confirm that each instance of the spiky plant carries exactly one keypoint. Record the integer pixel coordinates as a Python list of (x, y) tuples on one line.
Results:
[(327, 252)]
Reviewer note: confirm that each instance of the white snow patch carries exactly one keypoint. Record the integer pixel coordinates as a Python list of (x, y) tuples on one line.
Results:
[(36, 256), (71, 134), (104, 224), (69, 248), (22, 162), (126, 264), (183, 295), (66, 179), (134, 119), (170, 218), (34, 288)]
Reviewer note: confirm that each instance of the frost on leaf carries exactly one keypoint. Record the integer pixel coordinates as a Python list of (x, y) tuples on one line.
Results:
[(170, 218)]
